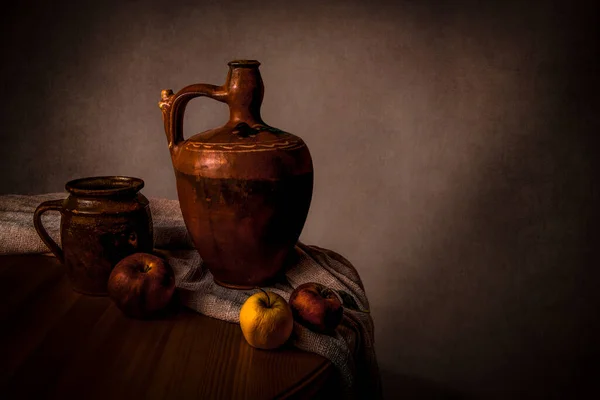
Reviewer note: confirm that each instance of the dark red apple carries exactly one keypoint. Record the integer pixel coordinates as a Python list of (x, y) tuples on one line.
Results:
[(317, 307), (141, 285)]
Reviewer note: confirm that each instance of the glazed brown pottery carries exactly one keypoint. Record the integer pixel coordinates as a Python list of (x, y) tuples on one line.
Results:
[(103, 220), (244, 188)]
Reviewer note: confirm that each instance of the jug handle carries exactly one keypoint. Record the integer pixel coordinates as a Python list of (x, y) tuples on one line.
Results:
[(173, 107), (52, 205)]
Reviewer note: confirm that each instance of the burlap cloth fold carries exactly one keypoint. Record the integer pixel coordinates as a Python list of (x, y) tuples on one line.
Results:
[(350, 349)]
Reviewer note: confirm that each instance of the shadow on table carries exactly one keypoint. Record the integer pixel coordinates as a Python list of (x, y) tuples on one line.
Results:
[(411, 387)]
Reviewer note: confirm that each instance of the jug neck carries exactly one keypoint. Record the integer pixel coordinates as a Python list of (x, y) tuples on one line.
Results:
[(245, 92)]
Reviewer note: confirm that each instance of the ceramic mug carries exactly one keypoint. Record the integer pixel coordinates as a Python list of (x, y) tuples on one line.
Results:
[(103, 220)]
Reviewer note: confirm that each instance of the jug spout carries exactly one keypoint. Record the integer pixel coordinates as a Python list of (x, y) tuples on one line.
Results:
[(245, 91)]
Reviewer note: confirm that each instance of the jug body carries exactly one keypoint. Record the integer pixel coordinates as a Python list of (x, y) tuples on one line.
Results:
[(244, 222)]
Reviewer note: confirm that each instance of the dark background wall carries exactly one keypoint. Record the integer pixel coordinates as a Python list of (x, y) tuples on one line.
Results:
[(451, 143)]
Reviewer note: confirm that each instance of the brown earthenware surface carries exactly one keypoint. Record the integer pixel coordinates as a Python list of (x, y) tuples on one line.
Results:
[(245, 188), (103, 220)]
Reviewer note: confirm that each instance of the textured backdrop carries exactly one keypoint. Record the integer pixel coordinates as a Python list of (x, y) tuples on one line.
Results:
[(450, 144)]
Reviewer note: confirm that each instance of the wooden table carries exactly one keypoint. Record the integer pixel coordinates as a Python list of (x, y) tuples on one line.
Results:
[(55, 343)]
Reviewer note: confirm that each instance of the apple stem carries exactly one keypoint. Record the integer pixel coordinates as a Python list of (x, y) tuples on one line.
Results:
[(268, 300), (147, 268)]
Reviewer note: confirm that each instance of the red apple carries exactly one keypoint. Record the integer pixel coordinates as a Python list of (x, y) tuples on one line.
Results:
[(317, 307), (141, 285)]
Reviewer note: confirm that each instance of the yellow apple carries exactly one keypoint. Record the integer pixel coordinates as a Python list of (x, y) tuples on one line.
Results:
[(266, 320)]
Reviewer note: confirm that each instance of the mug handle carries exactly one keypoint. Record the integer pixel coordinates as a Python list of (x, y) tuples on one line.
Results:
[(52, 205)]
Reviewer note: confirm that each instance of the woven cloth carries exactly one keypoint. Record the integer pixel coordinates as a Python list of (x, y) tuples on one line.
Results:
[(350, 348)]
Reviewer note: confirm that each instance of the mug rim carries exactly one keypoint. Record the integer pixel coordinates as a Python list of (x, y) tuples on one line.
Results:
[(98, 186)]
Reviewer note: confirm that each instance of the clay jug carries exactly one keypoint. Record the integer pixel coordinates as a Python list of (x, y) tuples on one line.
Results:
[(244, 188)]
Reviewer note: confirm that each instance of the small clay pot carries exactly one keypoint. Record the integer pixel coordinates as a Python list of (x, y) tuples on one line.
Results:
[(103, 220)]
